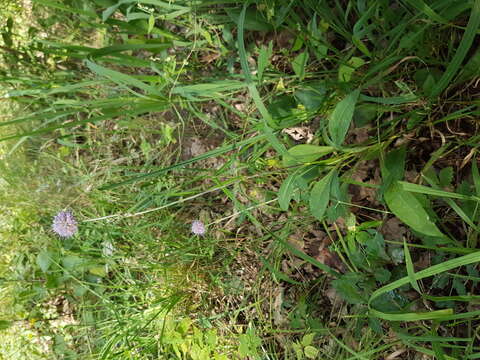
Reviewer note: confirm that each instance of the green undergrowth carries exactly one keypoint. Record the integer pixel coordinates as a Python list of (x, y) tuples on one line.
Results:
[(330, 148)]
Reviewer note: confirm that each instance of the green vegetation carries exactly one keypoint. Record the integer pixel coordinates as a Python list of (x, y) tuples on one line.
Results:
[(329, 147)]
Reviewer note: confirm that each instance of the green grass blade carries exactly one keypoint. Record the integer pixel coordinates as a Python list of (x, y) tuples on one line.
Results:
[(427, 10), (410, 269), (445, 314), (122, 79), (476, 176), (465, 44), (421, 189)]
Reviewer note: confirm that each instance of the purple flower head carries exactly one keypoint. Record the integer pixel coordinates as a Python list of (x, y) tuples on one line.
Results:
[(198, 228), (64, 224)]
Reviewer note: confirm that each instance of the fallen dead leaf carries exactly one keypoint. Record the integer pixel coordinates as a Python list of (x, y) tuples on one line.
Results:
[(209, 57), (360, 134), (331, 259), (301, 133), (422, 263), (393, 229)]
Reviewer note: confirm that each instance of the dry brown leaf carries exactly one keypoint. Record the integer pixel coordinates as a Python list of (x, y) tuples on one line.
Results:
[(209, 57), (393, 229), (300, 133), (423, 263), (331, 259), (360, 134)]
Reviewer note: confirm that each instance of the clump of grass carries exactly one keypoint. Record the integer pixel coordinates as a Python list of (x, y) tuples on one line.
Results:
[(330, 147)]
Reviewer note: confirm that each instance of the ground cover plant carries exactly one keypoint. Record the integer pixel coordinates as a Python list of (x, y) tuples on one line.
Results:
[(262, 179)]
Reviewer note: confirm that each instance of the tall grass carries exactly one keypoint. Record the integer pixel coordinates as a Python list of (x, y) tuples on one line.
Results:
[(329, 147)]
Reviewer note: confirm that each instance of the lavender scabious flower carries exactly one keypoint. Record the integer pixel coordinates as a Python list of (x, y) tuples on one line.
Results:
[(64, 224), (198, 228)]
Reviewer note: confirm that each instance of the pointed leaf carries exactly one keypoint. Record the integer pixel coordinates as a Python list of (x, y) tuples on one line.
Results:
[(408, 209), (341, 117), (287, 190), (305, 153), (410, 269), (320, 196), (299, 64)]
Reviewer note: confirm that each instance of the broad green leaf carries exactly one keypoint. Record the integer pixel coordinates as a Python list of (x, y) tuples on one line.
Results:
[(44, 260), (393, 167), (305, 153), (341, 117), (410, 269), (320, 196), (408, 209), (299, 64)]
